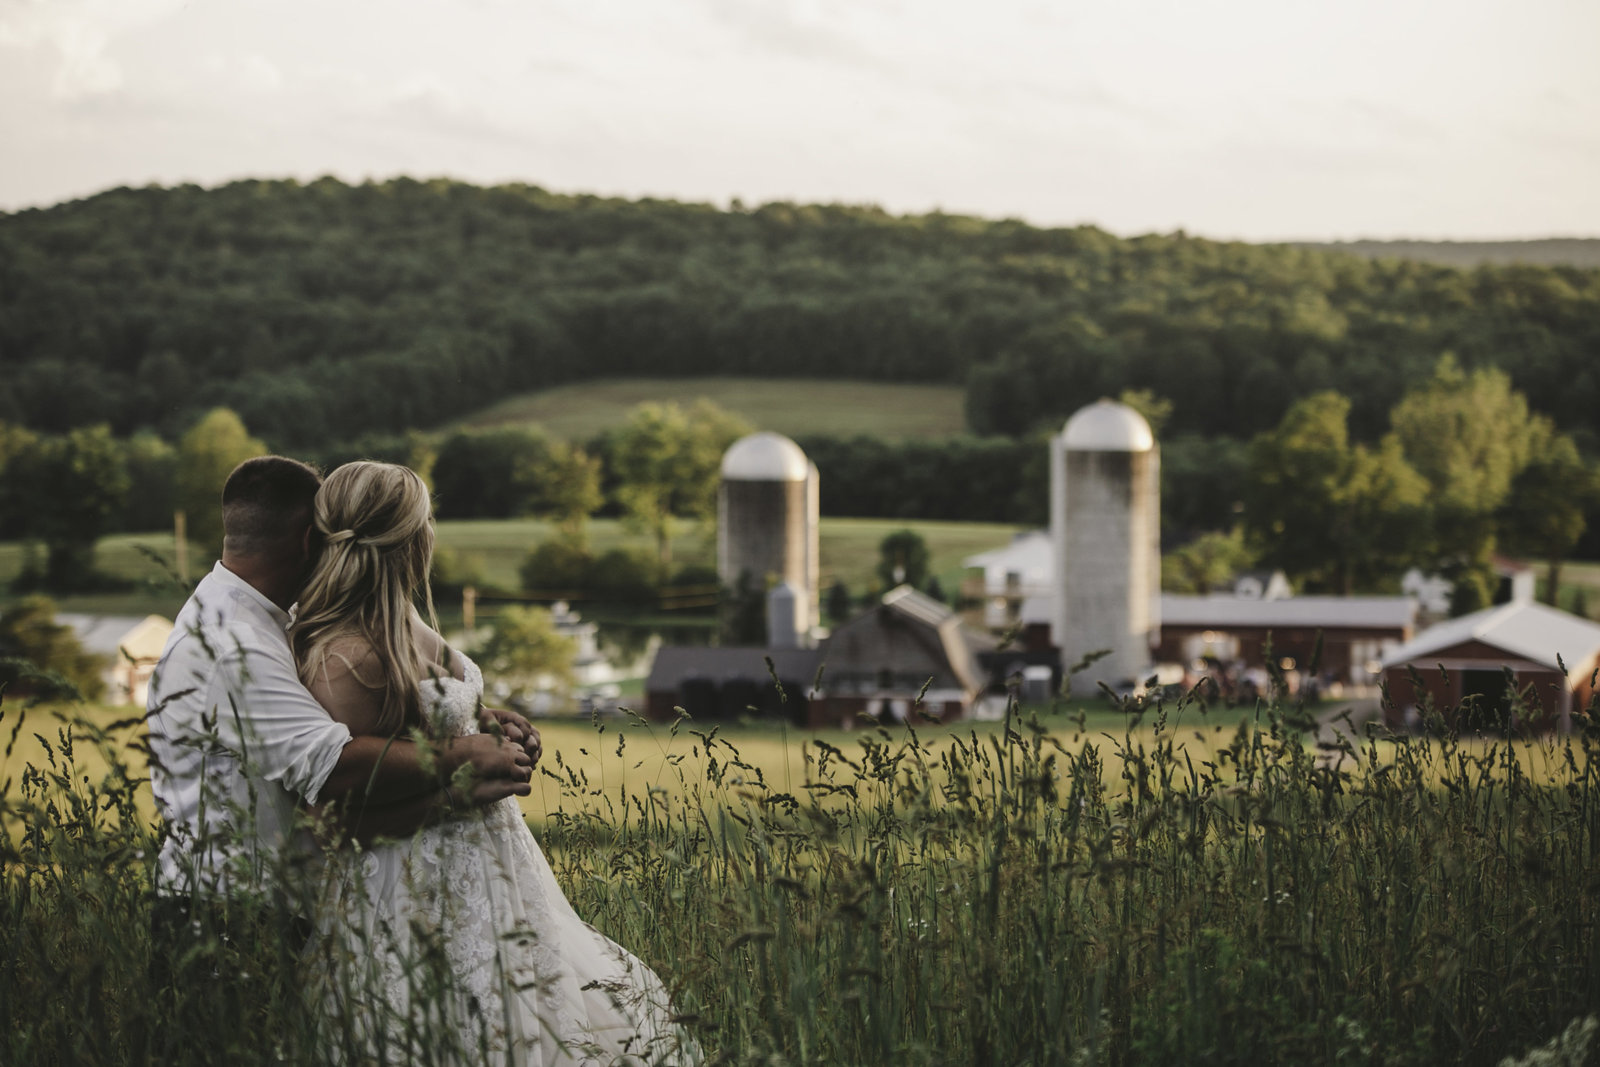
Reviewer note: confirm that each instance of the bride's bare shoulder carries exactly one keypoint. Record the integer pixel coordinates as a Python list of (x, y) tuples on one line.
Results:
[(348, 681)]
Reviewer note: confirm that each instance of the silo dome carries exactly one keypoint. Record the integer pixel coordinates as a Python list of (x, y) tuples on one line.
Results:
[(766, 457), (1105, 426)]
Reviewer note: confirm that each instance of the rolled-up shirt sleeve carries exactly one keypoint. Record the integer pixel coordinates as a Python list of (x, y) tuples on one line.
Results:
[(276, 726)]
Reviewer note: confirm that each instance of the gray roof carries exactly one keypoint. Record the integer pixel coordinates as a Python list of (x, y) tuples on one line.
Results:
[(1528, 630), (1326, 612), (912, 604), (676, 664), (955, 639), (103, 634)]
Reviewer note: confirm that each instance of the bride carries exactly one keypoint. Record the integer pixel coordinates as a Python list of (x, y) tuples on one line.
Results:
[(459, 930)]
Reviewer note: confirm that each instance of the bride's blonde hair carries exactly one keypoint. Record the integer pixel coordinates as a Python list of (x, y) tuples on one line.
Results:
[(375, 521)]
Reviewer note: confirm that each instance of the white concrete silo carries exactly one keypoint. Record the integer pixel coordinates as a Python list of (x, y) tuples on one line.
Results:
[(767, 520), (1105, 520)]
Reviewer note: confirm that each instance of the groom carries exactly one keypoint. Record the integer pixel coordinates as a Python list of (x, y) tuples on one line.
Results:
[(238, 744)]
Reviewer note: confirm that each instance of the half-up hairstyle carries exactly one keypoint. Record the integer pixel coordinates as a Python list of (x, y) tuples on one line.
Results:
[(375, 525)]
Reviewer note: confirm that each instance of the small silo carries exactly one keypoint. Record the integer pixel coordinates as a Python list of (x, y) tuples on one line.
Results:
[(1105, 520), (767, 518)]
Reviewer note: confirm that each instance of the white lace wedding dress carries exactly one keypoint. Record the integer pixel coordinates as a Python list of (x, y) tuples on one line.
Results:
[(462, 932)]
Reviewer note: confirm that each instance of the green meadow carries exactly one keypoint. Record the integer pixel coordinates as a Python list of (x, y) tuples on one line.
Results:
[(796, 407), (1192, 884)]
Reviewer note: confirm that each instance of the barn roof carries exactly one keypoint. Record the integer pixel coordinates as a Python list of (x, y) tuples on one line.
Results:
[(1529, 630), (1327, 612), (105, 635), (676, 664)]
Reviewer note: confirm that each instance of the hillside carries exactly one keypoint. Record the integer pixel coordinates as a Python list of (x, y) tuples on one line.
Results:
[(324, 312), (583, 411), (1582, 252)]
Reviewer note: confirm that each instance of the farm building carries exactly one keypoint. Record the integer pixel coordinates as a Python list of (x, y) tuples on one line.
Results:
[(1001, 579), (128, 647), (1356, 631), (1478, 665), (1232, 629), (878, 663), (875, 665), (724, 683)]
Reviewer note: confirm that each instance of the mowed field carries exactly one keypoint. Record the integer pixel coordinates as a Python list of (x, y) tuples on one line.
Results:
[(795, 407)]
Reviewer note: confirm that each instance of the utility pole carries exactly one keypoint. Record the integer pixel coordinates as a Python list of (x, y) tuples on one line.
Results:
[(180, 543)]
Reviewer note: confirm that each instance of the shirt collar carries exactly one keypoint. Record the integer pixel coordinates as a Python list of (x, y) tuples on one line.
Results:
[(231, 580)]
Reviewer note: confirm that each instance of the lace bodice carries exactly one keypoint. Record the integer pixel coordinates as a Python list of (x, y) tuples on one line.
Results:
[(451, 704)]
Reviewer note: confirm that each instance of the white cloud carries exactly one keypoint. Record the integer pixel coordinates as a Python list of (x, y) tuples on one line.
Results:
[(80, 33)]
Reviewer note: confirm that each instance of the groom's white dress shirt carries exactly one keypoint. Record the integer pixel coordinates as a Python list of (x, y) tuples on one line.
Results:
[(236, 741)]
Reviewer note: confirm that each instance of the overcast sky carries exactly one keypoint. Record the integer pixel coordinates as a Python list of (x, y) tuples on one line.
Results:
[(1229, 118)]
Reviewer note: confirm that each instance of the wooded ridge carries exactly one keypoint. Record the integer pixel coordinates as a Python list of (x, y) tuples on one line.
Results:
[(324, 311)]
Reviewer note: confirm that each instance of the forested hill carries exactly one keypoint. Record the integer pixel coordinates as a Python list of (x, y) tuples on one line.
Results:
[(323, 311), (1548, 252)]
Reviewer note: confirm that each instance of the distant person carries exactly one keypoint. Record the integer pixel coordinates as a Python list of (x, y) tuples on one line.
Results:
[(526, 981), (238, 744)]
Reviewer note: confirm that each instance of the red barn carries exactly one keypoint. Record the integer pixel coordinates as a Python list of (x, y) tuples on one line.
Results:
[(1474, 669)]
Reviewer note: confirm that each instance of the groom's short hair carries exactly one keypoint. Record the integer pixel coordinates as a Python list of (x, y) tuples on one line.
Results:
[(267, 504)]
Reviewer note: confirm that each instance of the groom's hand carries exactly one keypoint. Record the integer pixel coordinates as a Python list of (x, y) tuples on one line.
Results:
[(491, 758), (488, 790), (515, 728)]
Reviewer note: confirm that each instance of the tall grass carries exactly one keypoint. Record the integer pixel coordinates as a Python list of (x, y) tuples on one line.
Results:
[(933, 898)]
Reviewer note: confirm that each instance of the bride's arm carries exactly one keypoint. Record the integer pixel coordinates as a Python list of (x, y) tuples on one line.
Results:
[(369, 822), (340, 689), (435, 655)]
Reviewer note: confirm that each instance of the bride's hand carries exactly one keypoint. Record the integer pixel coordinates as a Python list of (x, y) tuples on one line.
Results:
[(515, 728)]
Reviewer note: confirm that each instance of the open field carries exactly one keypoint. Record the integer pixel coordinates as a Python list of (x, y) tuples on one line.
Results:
[(1207, 891), (648, 759), (1580, 586), (788, 406)]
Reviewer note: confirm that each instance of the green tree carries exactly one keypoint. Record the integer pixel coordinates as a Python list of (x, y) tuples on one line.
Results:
[(490, 474), (1155, 409), (1469, 436), (152, 483), (14, 440), (207, 454), (559, 567), (903, 560), (838, 602), (1543, 515), (68, 491), (1207, 563), (1335, 515), (568, 490), (31, 641), (667, 461), (526, 651)]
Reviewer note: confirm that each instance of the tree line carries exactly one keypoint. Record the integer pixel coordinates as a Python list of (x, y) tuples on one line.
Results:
[(325, 311), (1464, 469)]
